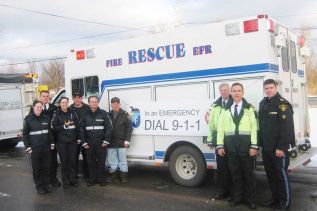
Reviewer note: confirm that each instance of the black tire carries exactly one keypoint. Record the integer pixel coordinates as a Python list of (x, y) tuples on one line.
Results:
[(187, 166), (293, 154), (304, 147)]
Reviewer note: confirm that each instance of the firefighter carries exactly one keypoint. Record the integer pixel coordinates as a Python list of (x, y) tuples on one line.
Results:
[(38, 141), (237, 138), (65, 126), (49, 109), (81, 109), (223, 173), (96, 131), (121, 135), (276, 136)]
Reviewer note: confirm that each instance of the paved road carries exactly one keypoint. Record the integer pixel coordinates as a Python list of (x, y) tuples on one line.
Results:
[(149, 188)]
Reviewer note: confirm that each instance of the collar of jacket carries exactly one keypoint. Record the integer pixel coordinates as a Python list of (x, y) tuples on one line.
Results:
[(218, 102), (275, 99), (119, 112)]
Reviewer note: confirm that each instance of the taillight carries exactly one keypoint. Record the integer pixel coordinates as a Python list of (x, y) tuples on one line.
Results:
[(80, 55), (251, 25)]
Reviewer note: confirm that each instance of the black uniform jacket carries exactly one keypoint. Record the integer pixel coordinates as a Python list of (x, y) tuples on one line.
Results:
[(80, 111), (95, 127), (65, 134), (122, 129), (276, 124), (37, 131)]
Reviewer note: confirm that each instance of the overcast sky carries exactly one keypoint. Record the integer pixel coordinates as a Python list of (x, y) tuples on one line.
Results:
[(26, 35)]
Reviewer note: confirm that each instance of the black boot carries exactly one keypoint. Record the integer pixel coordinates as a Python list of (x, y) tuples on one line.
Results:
[(112, 177), (124, 177)]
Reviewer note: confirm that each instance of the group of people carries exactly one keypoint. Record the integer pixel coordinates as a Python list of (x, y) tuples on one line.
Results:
[(236, 131), (69, 130)]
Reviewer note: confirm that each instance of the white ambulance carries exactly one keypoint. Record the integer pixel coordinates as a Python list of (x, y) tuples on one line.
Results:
[(167, 81)]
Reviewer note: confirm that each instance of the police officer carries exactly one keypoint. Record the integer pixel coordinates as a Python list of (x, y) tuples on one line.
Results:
[(223, 173), (81, 109), (49, 109), (65, 126), (121, 135), (38, 141), (237, 138), (276, 136), (96, 131)]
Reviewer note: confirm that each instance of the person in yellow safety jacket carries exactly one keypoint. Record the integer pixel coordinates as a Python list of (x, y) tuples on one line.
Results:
[(223, 178), (237, 138)]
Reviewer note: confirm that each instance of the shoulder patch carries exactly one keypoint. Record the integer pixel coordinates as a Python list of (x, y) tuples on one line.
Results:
[(282, 107)]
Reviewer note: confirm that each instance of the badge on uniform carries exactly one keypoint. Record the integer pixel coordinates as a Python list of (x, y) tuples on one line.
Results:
[(283, 107)]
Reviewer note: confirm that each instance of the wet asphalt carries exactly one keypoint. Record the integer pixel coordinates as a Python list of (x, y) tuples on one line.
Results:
[(149, 188)]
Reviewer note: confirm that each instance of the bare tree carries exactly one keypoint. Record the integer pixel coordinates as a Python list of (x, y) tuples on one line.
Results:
[(53, 74)]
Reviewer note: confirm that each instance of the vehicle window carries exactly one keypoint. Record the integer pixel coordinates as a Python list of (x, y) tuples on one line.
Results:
[(91, 86), (293, 57), (56, 100), (78, 86), (285, 58)]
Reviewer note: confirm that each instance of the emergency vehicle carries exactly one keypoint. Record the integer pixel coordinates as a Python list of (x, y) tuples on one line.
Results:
[(17, 92), (167, 81)]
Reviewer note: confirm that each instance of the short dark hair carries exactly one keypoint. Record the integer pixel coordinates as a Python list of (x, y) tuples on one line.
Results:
[(115, 100), (93, 96), (270, 81), (62, 98), (36, 102), (44, 91), (237, 84)]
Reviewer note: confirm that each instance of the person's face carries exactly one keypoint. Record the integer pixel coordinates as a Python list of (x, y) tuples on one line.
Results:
[(93, 103), (237, 93), (77, 100), (270, 90), (37, 108), (115, 106), (224, 92), (64, 104), (44, 98)]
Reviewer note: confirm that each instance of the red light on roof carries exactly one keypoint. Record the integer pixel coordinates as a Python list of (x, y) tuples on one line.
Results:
[(262, 16), (251, 25), (80, 55), (301, 41), (271, 26)]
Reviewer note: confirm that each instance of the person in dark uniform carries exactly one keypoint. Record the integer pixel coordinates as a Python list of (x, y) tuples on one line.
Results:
[(95, 135), (66, 129), (223, 173), (81, 109), (237, 138), (276, 136), (121, 136), (38, 141), (49, 109)]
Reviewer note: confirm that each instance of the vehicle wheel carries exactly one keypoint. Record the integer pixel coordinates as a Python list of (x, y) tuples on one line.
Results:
[(304, 147), (187, 166), (293, 154)]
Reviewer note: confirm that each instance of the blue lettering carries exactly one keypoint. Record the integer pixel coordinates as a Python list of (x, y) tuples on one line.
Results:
[(180, 50), (168, 49), (142, 57), (132, 57), (157, 53), (150, 54)]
